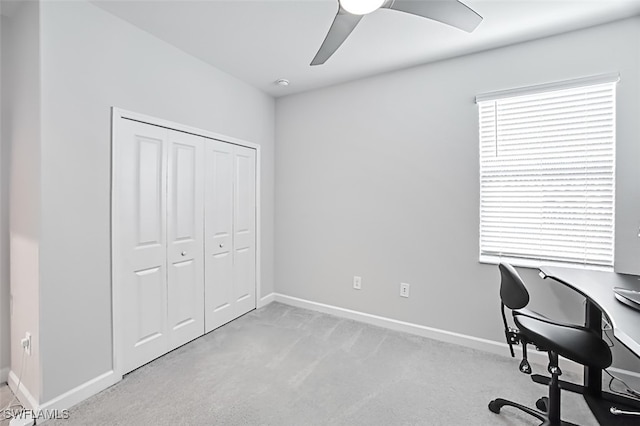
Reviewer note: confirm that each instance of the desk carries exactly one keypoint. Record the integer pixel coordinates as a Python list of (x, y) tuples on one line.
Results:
[(597, 288)]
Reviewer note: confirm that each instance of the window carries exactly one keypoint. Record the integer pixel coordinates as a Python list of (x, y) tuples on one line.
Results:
[(547, 159)]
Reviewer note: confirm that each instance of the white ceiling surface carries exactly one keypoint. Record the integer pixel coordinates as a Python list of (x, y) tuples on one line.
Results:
[(263, 40)]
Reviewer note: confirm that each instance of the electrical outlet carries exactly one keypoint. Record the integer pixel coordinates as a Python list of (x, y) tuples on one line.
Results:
[(357, 282), (26, 343), (404, 289)]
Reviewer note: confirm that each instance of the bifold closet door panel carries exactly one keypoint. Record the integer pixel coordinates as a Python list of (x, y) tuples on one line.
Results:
[(185, 251), (184, 238), (141, 157), (230, 232), (244, 226), (219, 308)]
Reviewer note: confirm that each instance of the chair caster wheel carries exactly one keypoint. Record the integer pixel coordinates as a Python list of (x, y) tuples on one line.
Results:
[(542, 404), (494, 407)]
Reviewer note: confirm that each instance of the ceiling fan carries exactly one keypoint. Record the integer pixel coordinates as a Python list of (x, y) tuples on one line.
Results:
[(350, 12)]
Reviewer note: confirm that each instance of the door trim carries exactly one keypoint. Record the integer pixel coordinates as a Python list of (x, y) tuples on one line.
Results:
[(117, 115)]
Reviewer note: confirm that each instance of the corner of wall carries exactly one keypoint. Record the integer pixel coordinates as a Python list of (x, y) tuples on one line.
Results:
[(20, 194), (5, 341)]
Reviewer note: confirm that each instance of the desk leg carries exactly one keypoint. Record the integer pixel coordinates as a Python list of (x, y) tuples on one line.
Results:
[(593, 376)]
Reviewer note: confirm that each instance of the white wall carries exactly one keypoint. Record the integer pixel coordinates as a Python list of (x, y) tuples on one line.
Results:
[(21, 144), (91, 61), (379, 178)]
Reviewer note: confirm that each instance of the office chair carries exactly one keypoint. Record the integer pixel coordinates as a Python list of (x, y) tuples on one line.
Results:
[(573, 342)]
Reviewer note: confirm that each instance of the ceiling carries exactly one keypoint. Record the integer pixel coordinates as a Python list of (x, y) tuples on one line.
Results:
[(265, 40)]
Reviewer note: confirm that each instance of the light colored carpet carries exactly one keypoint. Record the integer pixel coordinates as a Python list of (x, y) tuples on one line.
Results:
[(281, 365), (6, 396)]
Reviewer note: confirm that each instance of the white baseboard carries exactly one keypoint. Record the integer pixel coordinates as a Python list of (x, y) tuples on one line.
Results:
[(82, 392), (26, 398), (4, 375), (264, 301), (67, 399), (485, 345)]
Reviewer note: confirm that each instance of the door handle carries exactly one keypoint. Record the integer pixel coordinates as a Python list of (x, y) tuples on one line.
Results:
[(184, 253)]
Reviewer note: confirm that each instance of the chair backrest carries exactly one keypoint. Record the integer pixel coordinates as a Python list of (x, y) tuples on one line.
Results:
[(513, 292)]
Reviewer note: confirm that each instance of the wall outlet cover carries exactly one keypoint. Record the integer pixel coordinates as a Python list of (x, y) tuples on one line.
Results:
[(357, 282), (404, 289)]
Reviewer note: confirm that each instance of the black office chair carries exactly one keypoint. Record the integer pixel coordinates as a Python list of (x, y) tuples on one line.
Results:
[(573, 342)]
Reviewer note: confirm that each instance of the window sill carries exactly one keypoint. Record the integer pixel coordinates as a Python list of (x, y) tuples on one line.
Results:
[(537, 263)]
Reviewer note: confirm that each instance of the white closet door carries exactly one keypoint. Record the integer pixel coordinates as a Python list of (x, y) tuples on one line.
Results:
[(184, 238), (229, 233), (141, 180), (244, 230), (218, 235), (185, 251)]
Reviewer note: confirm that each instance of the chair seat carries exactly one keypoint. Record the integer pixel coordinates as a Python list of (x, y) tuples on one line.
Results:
[(573, 342)]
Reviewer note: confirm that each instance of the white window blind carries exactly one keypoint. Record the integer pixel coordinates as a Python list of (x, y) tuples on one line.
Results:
[(547, 175)]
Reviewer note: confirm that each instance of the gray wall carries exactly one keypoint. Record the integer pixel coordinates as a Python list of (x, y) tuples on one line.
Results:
[(379, 178), (21, 145), (91, 61), (5, 354)]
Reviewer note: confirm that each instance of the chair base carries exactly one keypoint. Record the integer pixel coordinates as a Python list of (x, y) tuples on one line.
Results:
[(498, 403)]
